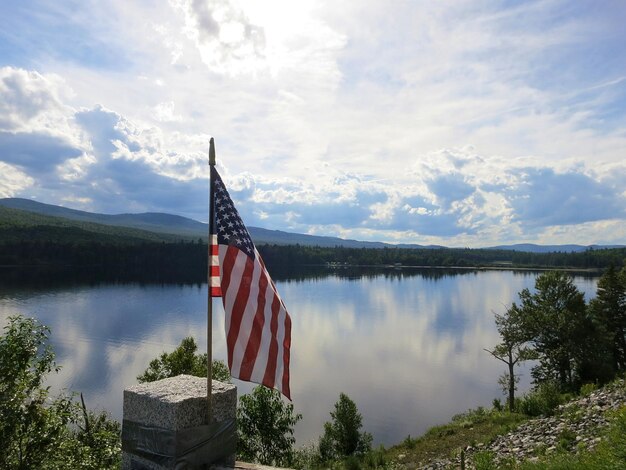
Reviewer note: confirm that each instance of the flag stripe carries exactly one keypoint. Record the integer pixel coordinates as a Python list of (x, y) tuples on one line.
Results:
[(286, 356), (280, 342), (245, 307), (270, 371), (228, 256), (263, 355), (280, 337), (235, 298), (214, 271), (256, 332)]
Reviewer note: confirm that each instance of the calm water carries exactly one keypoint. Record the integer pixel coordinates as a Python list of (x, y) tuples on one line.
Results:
[(406, 346)]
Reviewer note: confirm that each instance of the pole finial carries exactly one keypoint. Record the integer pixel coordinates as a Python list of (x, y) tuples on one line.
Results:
[(211, 152)]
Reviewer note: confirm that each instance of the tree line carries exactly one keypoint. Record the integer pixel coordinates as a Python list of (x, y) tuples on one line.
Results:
[(187, 260), (447, 257)]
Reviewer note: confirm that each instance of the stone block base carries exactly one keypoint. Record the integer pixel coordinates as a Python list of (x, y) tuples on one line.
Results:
[(165, 425)]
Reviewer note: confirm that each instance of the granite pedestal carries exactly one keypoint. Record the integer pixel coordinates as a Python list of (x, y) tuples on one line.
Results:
[(165, 425)]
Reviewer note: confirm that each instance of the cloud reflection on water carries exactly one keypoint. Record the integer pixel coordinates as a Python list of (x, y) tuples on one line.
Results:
[(408, 348)]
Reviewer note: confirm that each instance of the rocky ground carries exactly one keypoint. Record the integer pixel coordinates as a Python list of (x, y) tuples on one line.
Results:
[(575, 425)]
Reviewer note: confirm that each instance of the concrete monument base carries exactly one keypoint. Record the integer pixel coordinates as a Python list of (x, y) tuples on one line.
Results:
[(165, 425)]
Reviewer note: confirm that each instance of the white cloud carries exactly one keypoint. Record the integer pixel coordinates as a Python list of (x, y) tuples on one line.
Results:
[(32, 102), (164, 112), (227, 41), (13, 180)]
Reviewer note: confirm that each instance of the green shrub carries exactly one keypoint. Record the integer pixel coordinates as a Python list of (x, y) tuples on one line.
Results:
[(587, 389), (471, 416), (567, 439), (375, 458), (306, 457), (497, 404), (541, 401), (183, 360), (408, 442), (352, 463), (265, 428), (530, 405), (342, 436), (484, 461)]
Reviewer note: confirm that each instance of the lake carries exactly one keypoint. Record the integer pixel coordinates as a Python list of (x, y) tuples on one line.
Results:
[(405, 344)]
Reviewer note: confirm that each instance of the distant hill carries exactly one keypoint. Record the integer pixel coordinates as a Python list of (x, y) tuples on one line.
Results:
[(17, 224), (150, 221), (177, 225), (278, 237), (161, 226)]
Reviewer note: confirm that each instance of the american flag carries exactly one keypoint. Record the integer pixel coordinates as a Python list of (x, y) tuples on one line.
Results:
[(258, 327)]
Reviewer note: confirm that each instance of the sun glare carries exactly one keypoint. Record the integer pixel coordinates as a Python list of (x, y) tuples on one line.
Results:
[(283, 22)]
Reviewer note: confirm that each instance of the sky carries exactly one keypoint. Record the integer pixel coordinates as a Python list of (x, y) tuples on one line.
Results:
[(453, 122)]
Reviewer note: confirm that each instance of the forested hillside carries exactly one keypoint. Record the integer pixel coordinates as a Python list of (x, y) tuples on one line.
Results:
[(17, 225), (31, 239)]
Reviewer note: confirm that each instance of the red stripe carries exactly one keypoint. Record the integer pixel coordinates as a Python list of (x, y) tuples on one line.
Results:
[(216, 291), (271, 282), (270, 371), (215, 249), (239, 306), (286, 346), (227, 266), (254, 340), (215, 271)]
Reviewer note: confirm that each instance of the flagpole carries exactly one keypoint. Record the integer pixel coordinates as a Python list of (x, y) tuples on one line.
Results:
[(210, 298)]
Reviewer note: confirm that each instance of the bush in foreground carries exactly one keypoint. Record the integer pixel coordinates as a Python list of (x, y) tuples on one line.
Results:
[(183, 360), (542, 401), (40, 431), (265, 428), (342, 436)]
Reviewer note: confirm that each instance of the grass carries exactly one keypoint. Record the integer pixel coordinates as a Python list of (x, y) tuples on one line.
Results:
[(470, 428)]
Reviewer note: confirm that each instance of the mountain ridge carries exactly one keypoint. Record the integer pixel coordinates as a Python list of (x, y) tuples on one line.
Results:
[(176, 225)]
